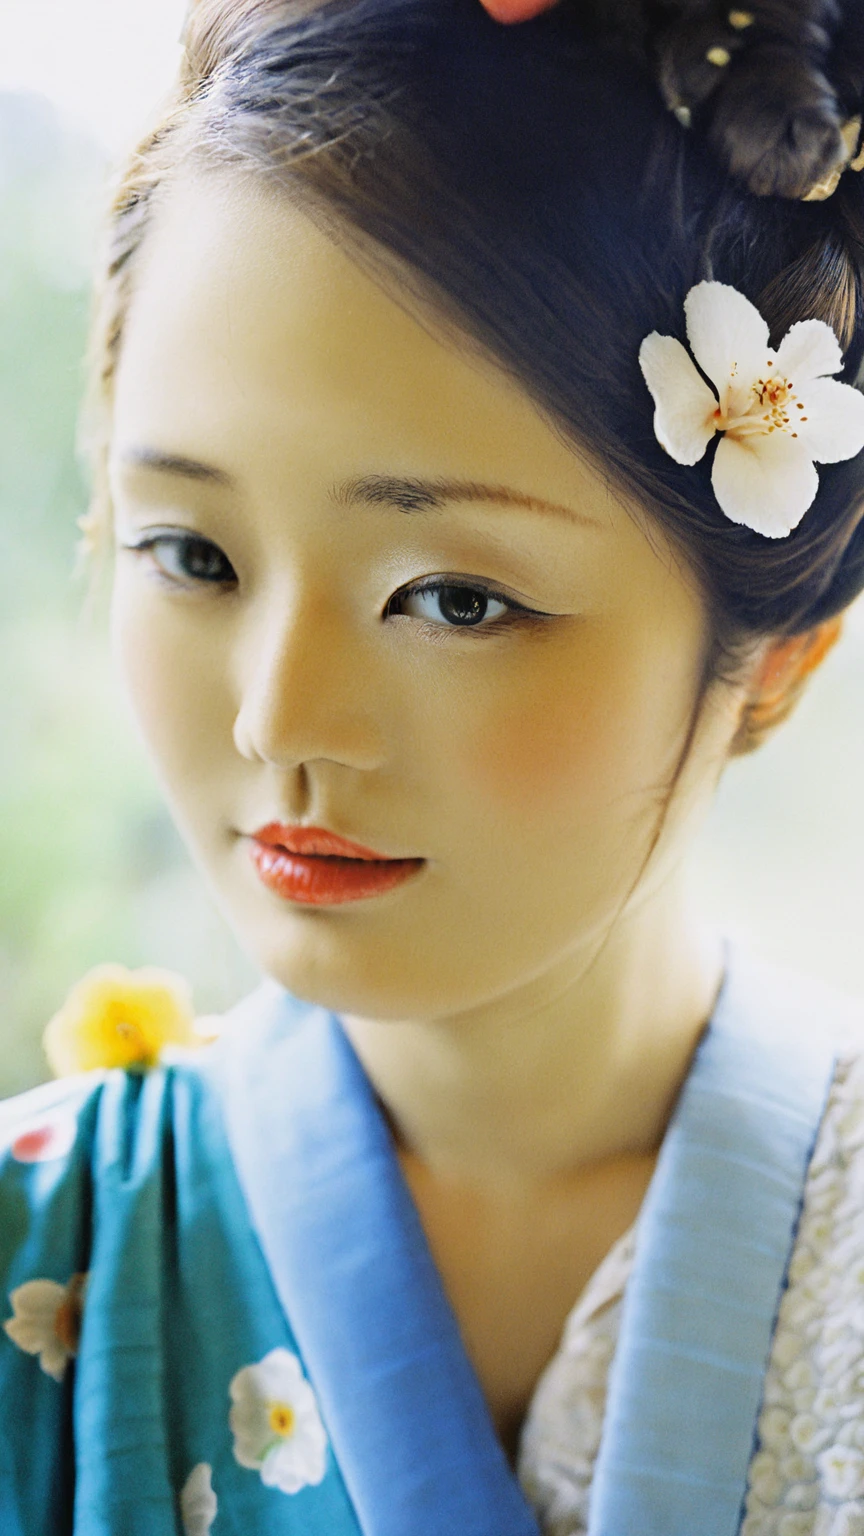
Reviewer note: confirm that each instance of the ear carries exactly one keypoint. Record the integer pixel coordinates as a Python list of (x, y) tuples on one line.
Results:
[(779, 680)]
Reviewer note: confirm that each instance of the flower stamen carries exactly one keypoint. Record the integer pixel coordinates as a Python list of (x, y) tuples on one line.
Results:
[(281, 1419)]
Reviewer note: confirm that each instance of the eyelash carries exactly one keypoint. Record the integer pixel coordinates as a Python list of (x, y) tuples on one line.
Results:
[(179, 541), (517, 612)]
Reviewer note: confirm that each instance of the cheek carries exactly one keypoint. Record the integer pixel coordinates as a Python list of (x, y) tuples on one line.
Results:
[(576, 733), (544, 747), (171, 682)]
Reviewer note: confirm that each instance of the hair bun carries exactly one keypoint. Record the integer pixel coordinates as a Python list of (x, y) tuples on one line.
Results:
[(761, 84)]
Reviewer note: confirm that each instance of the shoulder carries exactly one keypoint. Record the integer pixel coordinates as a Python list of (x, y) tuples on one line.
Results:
[(45, 1145), (120, 1220), (83, 1156), (45, 1125)]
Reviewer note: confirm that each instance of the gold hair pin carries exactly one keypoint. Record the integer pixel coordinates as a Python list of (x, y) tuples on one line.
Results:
[(851, 134)]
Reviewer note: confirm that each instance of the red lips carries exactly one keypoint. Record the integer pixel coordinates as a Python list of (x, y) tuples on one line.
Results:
[(318, 868), (312, 840)]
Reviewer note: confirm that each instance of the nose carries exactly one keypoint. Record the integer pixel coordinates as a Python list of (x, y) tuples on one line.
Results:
[(306, 690)]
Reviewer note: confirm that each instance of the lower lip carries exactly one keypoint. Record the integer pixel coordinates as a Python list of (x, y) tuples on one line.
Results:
[(317, 880)]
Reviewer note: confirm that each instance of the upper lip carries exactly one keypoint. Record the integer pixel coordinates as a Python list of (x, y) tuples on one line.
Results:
[(313, 840)]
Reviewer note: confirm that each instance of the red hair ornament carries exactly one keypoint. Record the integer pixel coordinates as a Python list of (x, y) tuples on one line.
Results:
[(516, 10)]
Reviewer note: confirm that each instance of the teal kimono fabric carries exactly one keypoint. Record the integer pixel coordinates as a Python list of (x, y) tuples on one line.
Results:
[(221, 1314)]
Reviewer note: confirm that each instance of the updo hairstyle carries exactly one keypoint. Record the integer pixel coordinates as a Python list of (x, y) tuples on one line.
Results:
[(530, 186)]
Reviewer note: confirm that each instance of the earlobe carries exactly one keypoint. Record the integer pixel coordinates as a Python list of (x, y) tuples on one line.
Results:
[(779, 681)]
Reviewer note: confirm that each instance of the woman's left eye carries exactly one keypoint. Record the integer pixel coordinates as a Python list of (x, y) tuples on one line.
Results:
[(457, 606)]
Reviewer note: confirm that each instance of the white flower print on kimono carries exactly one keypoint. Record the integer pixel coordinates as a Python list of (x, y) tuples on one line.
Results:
[(47, 1321), (198, 1502), (848, 1520), (842, 1469), (276, 1424)]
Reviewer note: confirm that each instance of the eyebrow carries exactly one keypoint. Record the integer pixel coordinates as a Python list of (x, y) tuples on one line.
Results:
[(405, 494)]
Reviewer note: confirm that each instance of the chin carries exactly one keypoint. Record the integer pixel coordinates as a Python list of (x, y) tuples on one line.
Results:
[(321, 965)]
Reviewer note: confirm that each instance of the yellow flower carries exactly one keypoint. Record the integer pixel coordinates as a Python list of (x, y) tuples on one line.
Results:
[(114, 1017)]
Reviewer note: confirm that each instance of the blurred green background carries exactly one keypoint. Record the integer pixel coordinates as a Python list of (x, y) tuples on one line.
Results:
[(90, 866)]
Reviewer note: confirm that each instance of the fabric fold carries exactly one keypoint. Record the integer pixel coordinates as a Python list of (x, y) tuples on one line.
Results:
[(715, 1235), (349, 1259)]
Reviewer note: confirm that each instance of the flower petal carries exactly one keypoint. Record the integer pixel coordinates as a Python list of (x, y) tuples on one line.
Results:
[(684, 416), (808, 350), (198, 1503), (40, 1306), (832, 421), (249, 1424), (54, 1358), (727, 335), (281, 1469), (114, 1017), (764, 482), (29, 1333), (36, 1302), (299, 1461), (278, 1374)]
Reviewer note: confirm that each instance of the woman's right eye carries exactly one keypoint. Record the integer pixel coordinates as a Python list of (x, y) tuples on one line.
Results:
[(186, 559)]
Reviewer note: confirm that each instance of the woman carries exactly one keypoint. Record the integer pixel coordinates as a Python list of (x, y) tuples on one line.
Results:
[(445, 585)]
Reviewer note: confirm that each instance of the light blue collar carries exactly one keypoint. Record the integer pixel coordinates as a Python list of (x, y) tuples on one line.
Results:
[(350, 1262), (715, 1237)]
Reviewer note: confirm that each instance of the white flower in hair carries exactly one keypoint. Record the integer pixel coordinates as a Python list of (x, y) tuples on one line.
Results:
[(777, 411)]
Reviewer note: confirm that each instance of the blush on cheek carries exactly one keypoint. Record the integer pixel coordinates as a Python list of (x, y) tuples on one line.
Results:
[(544, 750), (581, 737)]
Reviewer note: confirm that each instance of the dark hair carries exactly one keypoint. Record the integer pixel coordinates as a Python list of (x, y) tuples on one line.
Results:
[(529, 182)]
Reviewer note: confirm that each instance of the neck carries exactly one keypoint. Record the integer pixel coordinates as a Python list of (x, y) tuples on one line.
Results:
[(575, 1067)]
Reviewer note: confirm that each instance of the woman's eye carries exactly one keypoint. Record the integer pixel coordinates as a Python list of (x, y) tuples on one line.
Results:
[(186, 558), (460, 607)]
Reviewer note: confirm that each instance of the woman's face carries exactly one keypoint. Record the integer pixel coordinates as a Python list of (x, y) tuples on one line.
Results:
[(298, 455)]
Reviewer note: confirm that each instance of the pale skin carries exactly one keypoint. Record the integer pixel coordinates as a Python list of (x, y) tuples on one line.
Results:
[(527, 1004)]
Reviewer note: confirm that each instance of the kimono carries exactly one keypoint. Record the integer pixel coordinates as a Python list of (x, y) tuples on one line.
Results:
[(221, 1315)]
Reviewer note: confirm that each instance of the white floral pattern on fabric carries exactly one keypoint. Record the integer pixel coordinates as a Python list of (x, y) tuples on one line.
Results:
[(777, 411), (198, 1503), (46, 1321), (561, 1434), (276, 1424), (811, 1428), (806, 1477)]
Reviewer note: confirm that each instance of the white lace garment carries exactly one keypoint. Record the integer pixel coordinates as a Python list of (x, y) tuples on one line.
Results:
[(806, 1477)]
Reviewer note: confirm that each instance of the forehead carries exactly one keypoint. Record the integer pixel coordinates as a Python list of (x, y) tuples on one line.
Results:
[(252, 332)]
